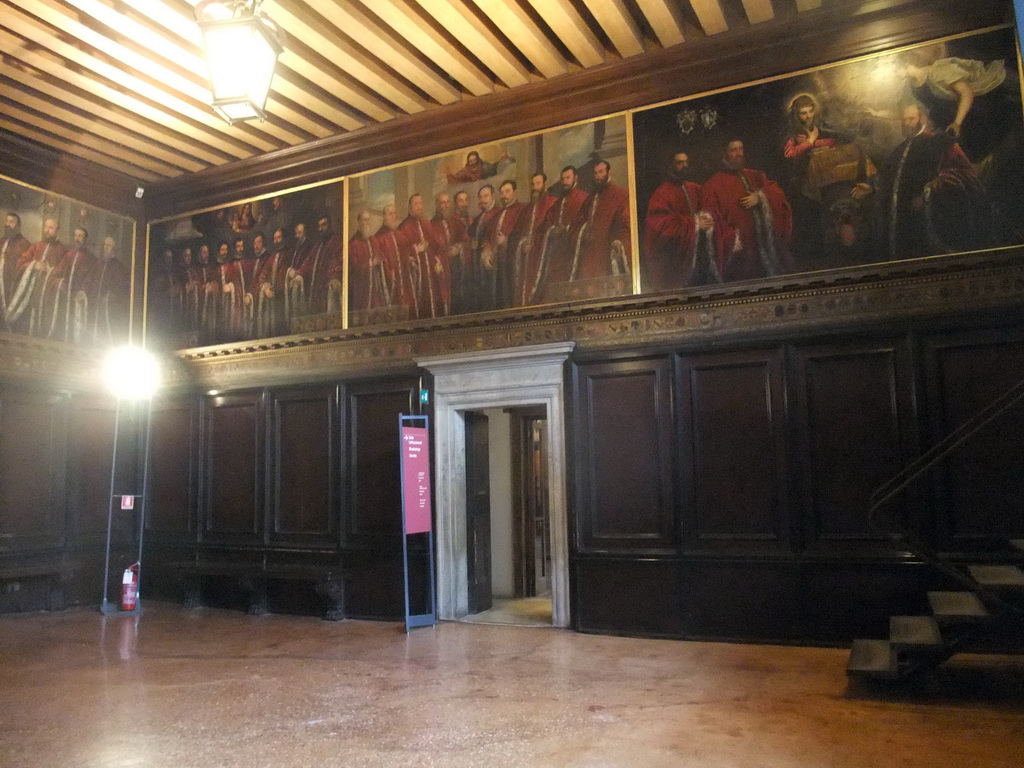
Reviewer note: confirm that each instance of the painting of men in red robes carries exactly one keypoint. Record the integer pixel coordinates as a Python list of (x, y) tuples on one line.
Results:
[(50, 273), (258, 269), (910, 154), (508, 227)]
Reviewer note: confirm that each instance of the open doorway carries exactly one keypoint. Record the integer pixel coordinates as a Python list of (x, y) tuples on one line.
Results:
[(508, 548), (496, 379)]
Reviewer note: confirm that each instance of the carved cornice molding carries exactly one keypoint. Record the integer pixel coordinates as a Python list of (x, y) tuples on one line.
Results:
[(27, 361), (970, 284)]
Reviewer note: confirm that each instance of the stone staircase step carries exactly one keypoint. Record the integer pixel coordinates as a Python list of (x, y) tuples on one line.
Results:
[(918, 632), (1008, 577), (956, 607), (873, 658)]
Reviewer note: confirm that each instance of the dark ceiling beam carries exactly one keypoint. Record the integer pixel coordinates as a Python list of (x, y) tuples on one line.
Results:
[(32, 163), (837, 32)]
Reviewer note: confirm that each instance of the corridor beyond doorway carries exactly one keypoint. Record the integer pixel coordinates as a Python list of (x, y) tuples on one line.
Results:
[(508, 527)]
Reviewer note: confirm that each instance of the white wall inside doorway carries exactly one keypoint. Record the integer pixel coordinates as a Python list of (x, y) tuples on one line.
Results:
[(499, 449)]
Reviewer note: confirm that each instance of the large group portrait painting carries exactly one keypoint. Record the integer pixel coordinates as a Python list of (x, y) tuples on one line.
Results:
[(247, 271), (65, 268), (915, 153), (515, 223), (912, 154)]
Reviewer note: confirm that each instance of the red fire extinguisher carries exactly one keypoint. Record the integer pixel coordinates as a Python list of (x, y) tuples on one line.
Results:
[(130, 588)]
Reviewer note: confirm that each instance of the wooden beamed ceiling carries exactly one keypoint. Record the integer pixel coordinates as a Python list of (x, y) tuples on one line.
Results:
[(122, 83)]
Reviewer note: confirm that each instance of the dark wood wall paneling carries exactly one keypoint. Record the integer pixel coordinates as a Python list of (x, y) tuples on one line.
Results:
[(733, 457), (625, 452), (373, 458), (174, 462), (374, 522), (55, 459), (765, 534), (232, 503), (305, 466), (297, 476), (980, 498), (33, 441), (854, 416)]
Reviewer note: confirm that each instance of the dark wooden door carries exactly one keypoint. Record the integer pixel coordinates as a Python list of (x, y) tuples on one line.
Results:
[(478, 513), (530, 537)]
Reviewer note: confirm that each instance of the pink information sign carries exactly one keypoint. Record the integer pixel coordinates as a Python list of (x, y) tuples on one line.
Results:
[(416, 479)]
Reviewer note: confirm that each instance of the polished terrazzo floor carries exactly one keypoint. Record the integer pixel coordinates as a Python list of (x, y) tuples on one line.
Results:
[(521, 611), (218, 688)]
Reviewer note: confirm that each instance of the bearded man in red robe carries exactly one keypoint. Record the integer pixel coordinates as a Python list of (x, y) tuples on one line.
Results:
[(482, 232), (526, 274), (419, 234), (756, 212), (394, 249), (270, 296), (682, 245), (371, 276), (602, 246), (64, 303), (557, 250), (315, 283), (31, 273), (12, 247), (109, 292)]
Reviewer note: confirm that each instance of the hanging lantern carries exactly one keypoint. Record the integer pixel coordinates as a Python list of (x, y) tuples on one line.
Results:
[(242, 46)]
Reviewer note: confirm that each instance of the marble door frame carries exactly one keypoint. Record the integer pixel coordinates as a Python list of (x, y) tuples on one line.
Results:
[(475, 381)]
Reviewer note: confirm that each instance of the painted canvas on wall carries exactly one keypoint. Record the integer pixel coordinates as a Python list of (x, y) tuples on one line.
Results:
[(66, 268), (532, 220), (247, 271), (912, 154)]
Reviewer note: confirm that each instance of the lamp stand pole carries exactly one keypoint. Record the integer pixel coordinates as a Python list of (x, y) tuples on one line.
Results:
[(146, 429), (105, 606)]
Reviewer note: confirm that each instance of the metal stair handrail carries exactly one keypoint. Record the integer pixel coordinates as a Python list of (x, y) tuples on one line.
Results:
[(909, 474)]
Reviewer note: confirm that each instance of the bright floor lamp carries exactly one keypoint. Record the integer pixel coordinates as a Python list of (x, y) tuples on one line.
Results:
[(132, 376)]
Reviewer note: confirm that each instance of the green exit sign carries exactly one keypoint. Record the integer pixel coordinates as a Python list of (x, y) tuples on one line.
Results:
[(424, 396)]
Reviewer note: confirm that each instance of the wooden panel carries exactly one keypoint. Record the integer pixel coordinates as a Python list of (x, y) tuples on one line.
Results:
[(854, 416), (170, 512), (304, 434), (981, 489), (375, 508), (32, 485), (90, 452), (733, 451), (374, 588), (234, 468), (630, 597), (749, 599), (623, 436), (843, 600)]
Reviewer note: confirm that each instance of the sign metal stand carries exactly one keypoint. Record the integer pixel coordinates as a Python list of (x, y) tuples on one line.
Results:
[(416, 507)]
